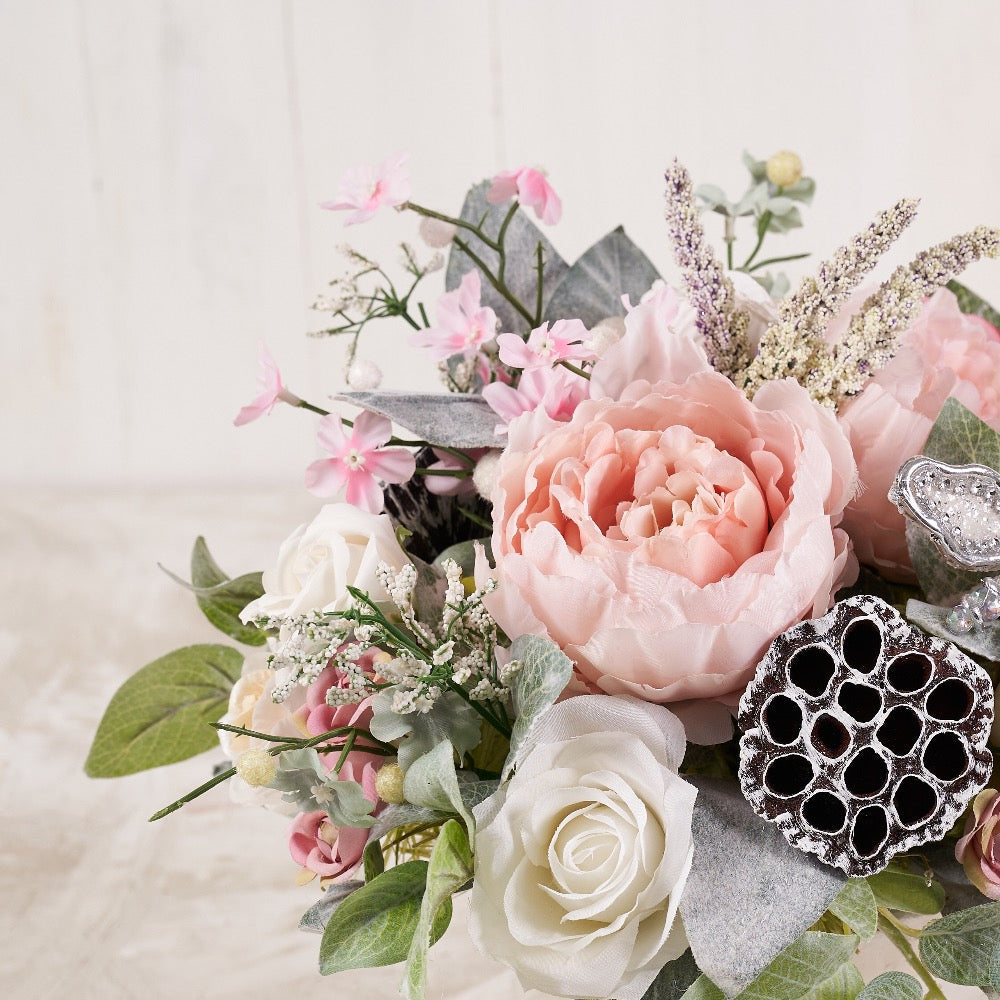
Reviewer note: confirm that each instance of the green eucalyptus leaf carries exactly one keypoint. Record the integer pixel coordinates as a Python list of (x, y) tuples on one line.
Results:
[(375, 924), (703, 989), (845, 984), (163, 713), (306, 783), (791, 219), (674, 979), (897, 889), (972, 304), (803, 190), (222, 598), (892, 986), (712, 195), (959, 948), (450, 867), (592, 289), (522, 241), (318, 915), (856, 906), (432, 781), (417, 733), (757, 168), (545, 672), (780, 205)]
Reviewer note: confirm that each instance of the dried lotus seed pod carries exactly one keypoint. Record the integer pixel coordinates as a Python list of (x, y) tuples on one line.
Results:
[(862, 736)]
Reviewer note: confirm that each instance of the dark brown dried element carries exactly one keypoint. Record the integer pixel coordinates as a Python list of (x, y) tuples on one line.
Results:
[(862, 736)]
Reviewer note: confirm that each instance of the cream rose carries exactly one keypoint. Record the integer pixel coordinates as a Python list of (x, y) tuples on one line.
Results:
[(582, 857), (341, 547)]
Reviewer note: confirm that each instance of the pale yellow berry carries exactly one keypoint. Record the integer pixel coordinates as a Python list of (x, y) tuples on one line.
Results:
[(256, 767), (784, 169), (389, 783)]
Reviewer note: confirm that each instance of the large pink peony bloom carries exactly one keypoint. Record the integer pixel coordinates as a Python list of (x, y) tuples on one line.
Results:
[(663, 538), (945, 353)]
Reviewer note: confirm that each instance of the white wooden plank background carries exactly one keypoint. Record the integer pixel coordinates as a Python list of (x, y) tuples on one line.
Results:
[(162, 162)]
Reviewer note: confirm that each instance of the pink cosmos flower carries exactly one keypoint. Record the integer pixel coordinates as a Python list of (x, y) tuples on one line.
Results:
[(979, 849), (531, 189), (554, 393), (463, 325), (359, 460), (365, 189), (566, 341), (945, 353), (269, 388)]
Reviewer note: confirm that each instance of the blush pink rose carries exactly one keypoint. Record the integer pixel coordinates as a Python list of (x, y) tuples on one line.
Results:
[(664, 538), (945, 353), (320, 847), (979, 850)]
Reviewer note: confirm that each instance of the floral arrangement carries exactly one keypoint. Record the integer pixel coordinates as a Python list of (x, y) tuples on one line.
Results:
[(665, 631)]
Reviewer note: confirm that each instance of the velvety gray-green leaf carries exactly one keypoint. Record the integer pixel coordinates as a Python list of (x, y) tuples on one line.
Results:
[(222, 598), (318, 915), (164, 712), (703, 989), (803, 967), (896, 889), (450, 867), (373, 860), (959, 948), (969, 302), (984, 642), (892, 986), (443, 418), (431, 781), (674, 979), (522, 240), (545, 672), (845, 984), (301, 773), (592, 289), (375, 924), (855, 905), (772, 891), (995, 969), (418, 733)]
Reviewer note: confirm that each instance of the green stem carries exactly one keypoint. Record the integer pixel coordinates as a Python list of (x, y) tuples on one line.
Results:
[(494, 281), (898, 924), (573, 368), (480, 709), (461, 223), (501, 237), (452, 473), (303, 405), (730, 238), (765, 221), (777, 260), (539, 268), (903, 947)]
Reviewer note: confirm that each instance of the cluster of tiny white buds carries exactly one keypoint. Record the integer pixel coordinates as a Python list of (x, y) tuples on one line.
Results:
[(420, 700), (443, 654), (488, 690), (435, 263), (508, 670), (460, 375), (399, 586), (337, 696), (357, 258)]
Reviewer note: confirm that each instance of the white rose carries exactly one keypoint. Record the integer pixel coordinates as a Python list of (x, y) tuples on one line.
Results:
[(341, 547), (582, 857)]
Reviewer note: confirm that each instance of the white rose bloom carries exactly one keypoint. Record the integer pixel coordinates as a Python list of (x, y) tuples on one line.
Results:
[(582, 857), (341, 547)]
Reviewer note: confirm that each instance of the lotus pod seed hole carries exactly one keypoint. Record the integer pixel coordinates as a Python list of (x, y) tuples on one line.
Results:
[(950, 701), (867, 774), (945, 756), (824, 812), (810, 669), (862, 645), (830, 736), (900, 731), (860, 701), (788, 775), (909, 672), (782, 719), (870, 832), (914, 801)]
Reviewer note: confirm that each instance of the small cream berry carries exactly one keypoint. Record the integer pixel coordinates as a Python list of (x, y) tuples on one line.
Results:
[(256, 767), (364, 374), (389, 783), (784, 169), (436, 232), (484, 476)]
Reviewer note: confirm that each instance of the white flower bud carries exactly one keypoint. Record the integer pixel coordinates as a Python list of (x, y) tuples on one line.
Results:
[(484, 476), (436, 232), (609, 331), (256, 767), (364, 374)]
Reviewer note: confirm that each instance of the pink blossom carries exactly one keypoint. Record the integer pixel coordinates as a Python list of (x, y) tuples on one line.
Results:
[(945, 353), (463, 325), (269, 388), (531, 189), (553, 393), (566, 341), (320, 847), (359, 460), (452, 486), (979, 848), (364, 189)]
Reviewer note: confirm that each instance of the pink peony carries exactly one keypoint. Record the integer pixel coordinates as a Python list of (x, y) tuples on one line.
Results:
[(320, 847), (979, 849), (364, 189), (531, 188), (945, 353), (664, 538)]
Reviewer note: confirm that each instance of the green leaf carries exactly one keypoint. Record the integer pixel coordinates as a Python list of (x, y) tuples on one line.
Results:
[(703, 989), (545, 672), (674, 979), (222, 599), (845, 984), (984, 642), (374, 860), (450, 868), (792, 219), (757, 168), (431, 781), (802, 191), (892, 986), (592, 289), (464, 553), (897, 889), (959, 948), (301, 774), (856, 906), (712, 195), (972, 304), (375, 924), (806, 964), (416, 733), (163, 713), (318, 915), (995, 969)]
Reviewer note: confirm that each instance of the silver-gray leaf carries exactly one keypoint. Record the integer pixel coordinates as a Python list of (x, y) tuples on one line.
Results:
[(318, 915)]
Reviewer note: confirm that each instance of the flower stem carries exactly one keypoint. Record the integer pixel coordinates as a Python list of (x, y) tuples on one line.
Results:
[(889, 929), (765, 221), (776, 260)]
